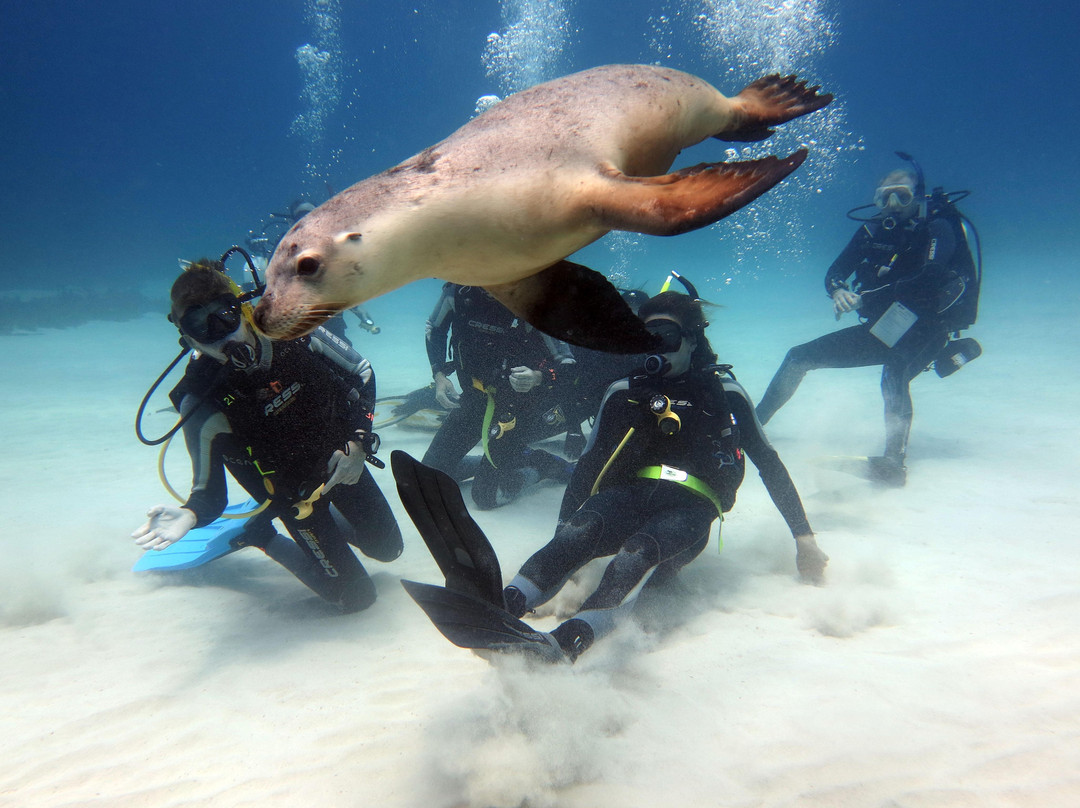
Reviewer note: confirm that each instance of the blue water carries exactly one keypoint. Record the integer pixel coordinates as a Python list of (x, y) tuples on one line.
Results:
[(138, 133)]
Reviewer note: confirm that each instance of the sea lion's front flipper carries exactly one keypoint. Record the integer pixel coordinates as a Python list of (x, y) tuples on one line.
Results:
[(575, 304), (770, 101), (688, 199)]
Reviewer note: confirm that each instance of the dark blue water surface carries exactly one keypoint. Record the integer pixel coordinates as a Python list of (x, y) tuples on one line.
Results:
[(137, 133)]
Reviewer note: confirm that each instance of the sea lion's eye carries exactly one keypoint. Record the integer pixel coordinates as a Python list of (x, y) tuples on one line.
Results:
[(353, 237), (307, 266)]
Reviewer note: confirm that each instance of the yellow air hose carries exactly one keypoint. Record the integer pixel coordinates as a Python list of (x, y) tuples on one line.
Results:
[(610, 460), (180, 499)]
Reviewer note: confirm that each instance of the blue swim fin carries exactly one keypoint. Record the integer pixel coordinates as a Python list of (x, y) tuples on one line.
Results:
[(200, 545)]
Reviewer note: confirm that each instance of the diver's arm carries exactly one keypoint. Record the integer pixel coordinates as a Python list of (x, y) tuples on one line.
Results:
[(347, 361), (772, 470), (934, 284), (437, 332), (810, 560), (343, 356), (204, 434), (941, 248), (560, 351), (845, 264), (565, 374), (559, 361)]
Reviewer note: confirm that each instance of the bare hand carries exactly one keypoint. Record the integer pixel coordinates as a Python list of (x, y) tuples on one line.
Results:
[(345, 467), (166, 525), (810, 559), (844, 301), (445, 392), (523, 379)]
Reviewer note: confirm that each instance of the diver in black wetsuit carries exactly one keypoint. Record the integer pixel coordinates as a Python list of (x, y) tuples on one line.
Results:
[(915, 282), (665, 459), (508, 372), (283, 418)]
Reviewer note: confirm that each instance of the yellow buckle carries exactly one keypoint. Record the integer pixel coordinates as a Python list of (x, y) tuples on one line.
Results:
[(304, 507), (505, 426)]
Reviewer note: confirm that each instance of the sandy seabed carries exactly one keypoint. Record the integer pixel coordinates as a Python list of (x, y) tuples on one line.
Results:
[(939, 665)]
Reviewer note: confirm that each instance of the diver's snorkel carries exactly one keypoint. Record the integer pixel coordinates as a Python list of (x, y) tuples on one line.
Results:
[(258, 286), (691, 290)]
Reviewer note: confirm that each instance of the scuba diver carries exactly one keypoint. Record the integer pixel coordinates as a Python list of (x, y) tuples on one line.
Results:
[(510, 375), (915, 283), (664, 461), (291, 421)]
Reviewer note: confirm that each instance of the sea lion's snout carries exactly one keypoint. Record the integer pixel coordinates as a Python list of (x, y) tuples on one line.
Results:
[(262, 311)]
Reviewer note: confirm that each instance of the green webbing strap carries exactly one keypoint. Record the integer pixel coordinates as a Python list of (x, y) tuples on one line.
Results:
[(489, 413), (699, 487)]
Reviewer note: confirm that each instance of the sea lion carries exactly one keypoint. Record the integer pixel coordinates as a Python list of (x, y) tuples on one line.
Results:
[(503, 200)]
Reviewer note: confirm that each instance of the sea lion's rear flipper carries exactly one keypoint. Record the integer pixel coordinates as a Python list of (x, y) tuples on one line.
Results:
[(687, 199), (577, 305), (770, 101)]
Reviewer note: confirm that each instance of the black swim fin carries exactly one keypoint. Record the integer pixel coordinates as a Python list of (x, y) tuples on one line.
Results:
[(456, 542), (577, 305), (472, 623)]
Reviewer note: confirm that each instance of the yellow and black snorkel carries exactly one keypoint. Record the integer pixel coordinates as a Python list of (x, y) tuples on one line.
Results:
[(691, 290), (257, 286)]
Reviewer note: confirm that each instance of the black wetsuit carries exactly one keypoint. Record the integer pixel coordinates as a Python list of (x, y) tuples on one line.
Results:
[(280, 422), (486, 341), (657, 523), (926, 266)]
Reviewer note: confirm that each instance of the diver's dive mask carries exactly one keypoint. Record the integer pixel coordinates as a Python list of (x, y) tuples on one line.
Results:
[(212, 322), (894, 196), (670, 333)]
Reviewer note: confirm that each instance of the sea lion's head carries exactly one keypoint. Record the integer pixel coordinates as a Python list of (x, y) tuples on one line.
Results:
[(316, 272)]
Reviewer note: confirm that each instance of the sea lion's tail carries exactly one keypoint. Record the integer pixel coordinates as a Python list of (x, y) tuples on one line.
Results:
[(768, 102)]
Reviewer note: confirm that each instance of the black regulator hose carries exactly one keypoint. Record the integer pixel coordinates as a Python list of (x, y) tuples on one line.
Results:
[(142, 405), (225, 368), (259, 285)]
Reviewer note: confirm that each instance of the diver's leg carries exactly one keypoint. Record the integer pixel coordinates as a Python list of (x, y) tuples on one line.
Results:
[(847, 348), (366, 518), (518, 467), (595, 530), (260, 533), (485, 487), (907, 360), (344, 581), (676, 534), (460, 431)]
